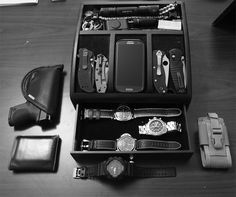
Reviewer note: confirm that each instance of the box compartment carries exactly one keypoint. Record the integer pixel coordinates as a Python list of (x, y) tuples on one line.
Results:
[(108, 129)]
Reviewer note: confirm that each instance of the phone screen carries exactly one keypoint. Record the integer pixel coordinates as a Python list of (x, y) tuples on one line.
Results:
[(130, 64)]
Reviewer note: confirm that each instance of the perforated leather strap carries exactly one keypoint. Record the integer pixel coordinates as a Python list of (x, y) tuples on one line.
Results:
[(214, 144), (157, 144)]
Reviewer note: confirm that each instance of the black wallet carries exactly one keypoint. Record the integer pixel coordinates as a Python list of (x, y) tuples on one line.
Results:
[(35, 153)]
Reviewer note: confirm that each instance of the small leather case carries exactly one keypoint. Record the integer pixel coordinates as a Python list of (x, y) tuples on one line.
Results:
[(214, 142), (35, 153), (41, 88)]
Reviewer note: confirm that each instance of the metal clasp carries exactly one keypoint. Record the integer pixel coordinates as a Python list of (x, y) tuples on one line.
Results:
[(84, 145), (79, 173)]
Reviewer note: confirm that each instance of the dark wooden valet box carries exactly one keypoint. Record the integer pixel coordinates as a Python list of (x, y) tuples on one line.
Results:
[(104, 41)]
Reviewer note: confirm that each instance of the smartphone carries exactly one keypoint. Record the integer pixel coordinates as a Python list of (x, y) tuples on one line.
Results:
[(129, 65)]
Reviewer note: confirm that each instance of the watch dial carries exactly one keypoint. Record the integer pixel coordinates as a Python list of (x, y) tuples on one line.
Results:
[(123, 113), (156, 126), (115, 168), (126, 143)]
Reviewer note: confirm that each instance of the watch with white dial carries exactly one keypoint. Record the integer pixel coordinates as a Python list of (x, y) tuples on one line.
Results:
[(157, 127), (127, 143), (124, 113)]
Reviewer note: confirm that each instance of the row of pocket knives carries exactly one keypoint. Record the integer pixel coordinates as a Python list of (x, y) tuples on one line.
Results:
[(92, 71), (169, 65)]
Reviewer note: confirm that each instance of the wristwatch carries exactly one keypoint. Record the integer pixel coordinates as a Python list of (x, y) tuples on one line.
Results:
[(127, 143), (116, 168), (124, 113), (157, 127)]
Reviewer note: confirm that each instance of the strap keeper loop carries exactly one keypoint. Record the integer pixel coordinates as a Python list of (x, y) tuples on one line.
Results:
[(216, 131)]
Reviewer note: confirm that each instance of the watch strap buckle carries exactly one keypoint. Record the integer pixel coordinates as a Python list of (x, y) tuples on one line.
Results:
[(79, 173), (85, 145)]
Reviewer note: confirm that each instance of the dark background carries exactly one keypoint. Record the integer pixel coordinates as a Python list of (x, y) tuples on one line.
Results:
[(33, 36)]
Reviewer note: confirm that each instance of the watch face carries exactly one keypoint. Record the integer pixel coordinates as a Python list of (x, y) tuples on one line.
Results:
[(157, 126), (123, 113), (115, 168), (126, 142)]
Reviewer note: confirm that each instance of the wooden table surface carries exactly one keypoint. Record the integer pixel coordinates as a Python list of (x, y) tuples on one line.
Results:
[(33, 36)]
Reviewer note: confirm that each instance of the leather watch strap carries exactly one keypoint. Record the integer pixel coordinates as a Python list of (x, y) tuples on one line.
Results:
[(140, 171), (143, 144), (98, 113), (86, 70), (89, 171), (159, 112), (102, 145), (157, 144)]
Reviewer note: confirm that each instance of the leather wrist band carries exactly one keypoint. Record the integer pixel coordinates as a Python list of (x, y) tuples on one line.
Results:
[(159, 112), (157, 144), (116, 167), (127, 143)]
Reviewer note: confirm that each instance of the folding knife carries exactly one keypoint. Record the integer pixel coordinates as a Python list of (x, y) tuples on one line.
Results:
[(86, 70), (160, 73), (178, 70)]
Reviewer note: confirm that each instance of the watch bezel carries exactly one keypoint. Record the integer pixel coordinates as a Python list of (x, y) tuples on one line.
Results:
[(151, 132), (112, 159), (123, 145), (123, 113)]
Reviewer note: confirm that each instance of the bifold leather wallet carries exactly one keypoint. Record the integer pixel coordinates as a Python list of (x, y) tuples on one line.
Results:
[(35, 153)]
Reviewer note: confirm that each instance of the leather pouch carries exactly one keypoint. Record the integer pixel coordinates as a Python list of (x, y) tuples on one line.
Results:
[(41, 89), (35, 153)]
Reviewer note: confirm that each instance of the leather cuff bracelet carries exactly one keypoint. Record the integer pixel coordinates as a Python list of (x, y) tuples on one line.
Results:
[(127, 143)]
